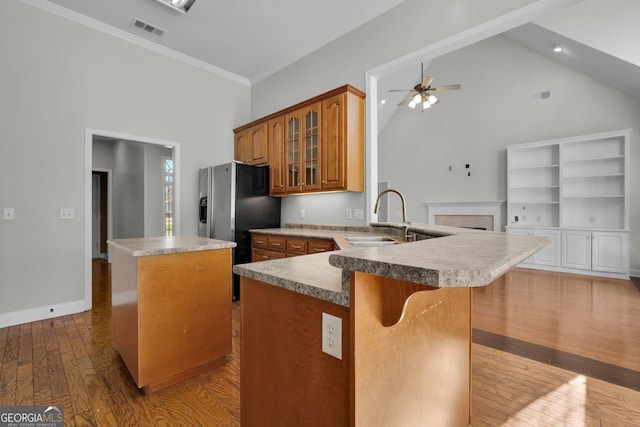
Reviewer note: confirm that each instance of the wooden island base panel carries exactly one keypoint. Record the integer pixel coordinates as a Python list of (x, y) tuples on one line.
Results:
[(171, 312), (405, 359)]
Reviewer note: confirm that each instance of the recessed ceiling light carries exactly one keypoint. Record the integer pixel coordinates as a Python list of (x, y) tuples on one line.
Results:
[(384, 101), (557, 48), (182, 6)]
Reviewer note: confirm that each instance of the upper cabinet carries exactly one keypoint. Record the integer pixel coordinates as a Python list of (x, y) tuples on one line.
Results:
[(251, 145), (314, 146), (275, 139)]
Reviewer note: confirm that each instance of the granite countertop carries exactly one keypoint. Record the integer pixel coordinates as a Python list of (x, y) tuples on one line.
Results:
[(146, 246), (456, 258)]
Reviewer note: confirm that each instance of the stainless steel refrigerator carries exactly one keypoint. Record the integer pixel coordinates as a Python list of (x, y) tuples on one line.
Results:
[(233, 199)]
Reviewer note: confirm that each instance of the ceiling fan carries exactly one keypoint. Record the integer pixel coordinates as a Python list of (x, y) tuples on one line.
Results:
[(422, 92)]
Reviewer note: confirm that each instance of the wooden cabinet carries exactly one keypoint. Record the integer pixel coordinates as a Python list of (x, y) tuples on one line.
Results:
[(342, 143), (265, 247), (251, 145), (302, 145), (171, 314), (316, 145), (277, 172)]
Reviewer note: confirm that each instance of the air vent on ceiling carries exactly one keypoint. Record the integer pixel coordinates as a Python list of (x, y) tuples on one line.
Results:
[(138, 23)]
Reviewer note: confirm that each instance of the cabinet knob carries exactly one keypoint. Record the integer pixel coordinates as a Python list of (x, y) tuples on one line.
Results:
[(324, 182)]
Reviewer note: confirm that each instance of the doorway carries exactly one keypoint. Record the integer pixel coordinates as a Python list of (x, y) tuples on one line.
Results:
[(100, 207), (122, 213)]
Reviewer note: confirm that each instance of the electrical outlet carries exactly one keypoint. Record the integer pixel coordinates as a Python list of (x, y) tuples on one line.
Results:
[(302, 214), (348, 213), (67, 213), (358, 214), (9, 213), (332, 335)]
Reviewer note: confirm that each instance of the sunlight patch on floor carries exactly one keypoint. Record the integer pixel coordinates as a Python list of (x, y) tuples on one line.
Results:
[(566, 405)]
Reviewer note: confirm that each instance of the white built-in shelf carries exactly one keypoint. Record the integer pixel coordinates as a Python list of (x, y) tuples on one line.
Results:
[(578, 186)]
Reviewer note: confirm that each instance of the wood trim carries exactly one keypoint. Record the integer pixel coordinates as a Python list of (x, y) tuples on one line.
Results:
[(305, 103), (561, 359)]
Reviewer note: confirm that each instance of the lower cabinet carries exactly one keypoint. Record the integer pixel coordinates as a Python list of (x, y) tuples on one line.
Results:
[(550, 254), (581, 251), (597, 251), (265, 247)]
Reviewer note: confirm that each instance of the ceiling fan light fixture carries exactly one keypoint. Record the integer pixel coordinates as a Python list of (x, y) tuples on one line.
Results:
[(417, 99), (412, 104), (426, 105), (432, 99)]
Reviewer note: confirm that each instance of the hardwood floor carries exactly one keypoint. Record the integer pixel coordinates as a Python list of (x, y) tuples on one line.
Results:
[(70, 361)]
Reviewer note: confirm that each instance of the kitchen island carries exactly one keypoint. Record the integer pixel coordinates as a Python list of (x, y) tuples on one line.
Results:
[(171, 307), (404, 330)]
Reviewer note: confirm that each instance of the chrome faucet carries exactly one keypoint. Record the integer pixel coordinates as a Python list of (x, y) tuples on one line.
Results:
[(404, 209)]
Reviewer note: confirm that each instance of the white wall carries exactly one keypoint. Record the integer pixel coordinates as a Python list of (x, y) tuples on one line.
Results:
[(493, 109), (58, 79), (128, 190), (347, 59)]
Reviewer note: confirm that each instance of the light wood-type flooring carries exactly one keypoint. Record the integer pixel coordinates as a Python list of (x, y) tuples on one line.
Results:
[(71, 361)]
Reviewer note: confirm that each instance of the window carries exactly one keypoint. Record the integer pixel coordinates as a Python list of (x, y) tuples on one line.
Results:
[(167, 183)]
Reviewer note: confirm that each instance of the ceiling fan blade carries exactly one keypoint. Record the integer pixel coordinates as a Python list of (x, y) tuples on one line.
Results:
[(426, 81), (400, 90), (406, 100), (445, 87)]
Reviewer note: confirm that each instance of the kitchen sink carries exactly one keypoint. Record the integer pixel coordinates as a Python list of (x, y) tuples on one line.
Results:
[(371, 241)]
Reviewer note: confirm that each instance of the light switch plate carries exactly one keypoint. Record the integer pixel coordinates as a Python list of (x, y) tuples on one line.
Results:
[(9, 213), (348, 213), (67, 213), (358, 214)]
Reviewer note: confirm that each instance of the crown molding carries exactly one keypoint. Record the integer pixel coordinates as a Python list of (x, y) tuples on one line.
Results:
[(131, 38)]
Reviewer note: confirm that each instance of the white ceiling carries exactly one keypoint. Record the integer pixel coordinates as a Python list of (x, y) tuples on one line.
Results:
[(249, 38)]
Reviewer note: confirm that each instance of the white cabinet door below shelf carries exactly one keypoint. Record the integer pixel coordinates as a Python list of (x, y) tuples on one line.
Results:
[(610, 252), (576, 249), (550, 254)]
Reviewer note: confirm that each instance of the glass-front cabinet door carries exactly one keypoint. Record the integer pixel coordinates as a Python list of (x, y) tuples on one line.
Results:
[(292, 144), (302, 142), (311, 160)]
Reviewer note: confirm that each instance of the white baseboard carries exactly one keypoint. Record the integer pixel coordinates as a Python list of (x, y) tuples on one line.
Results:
[(41, 313), (634, 273)]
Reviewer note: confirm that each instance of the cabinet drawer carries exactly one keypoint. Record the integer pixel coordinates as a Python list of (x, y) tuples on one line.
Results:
[(320, 245), (259, 241), (277, 243), (297, 246), (262, 255)]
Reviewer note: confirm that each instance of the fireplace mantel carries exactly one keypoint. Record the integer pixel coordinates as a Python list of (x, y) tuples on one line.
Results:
[(493, 208)]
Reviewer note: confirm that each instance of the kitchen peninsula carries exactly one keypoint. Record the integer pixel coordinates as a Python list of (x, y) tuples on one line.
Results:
[(404, 330), (171, 307)]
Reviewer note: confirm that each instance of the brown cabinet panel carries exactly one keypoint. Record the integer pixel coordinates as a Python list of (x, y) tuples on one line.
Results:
[(297, 246), (259, 241), (275, 140), (242, 148), (265, 247), (277, 243), (319, 245), (251, 145)]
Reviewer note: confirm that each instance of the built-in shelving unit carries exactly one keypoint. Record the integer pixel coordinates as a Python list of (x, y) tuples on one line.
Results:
[(577, 184)]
